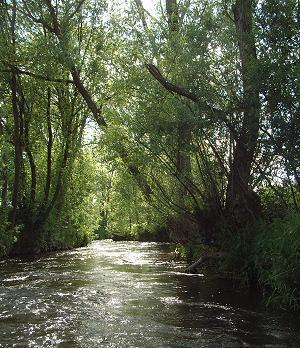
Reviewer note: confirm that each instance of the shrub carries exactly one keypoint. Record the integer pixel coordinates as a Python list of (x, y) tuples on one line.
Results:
[(277, 261), (267, 255)]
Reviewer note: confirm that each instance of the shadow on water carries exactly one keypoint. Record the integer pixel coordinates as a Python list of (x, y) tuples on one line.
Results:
[(127, 294)]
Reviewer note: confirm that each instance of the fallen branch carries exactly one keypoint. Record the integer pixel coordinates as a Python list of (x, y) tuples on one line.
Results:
[(209, 256)]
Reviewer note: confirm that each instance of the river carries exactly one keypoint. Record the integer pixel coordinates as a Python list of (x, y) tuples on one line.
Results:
[(128, 294)]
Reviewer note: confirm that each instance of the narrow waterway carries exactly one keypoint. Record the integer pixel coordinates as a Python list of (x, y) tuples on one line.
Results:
[(128, 294)]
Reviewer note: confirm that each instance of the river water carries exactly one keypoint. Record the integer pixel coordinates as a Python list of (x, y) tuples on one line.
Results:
[(128, 294)]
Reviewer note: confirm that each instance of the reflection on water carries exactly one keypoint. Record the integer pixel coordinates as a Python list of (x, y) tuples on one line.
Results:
[(126, 294)]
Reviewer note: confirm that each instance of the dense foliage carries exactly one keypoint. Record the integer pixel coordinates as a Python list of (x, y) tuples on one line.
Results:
[(178, 124)]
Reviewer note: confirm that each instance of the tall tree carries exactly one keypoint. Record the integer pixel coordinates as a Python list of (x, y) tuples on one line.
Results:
[(238, 190), (17, 122)]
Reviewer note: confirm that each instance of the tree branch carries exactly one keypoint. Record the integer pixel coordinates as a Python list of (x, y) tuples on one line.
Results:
[(170, 86), (39, 20)]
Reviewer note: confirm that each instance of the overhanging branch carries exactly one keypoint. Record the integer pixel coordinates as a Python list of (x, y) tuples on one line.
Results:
[(170, 86), (182, 91)]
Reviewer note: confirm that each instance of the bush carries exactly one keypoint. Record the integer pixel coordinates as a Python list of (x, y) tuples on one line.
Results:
[(240, 261), (277, 261), (267, 255), (7, 235), (75, 218)]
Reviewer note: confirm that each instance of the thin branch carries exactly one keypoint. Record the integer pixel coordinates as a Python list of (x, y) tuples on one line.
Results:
[(37, 76), (141, 11)]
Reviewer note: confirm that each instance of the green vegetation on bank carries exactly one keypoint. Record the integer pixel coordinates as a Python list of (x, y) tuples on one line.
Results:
[(177, 124)]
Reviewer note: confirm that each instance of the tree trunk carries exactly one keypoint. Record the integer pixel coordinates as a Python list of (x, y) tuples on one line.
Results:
[(183, 162), (49, 149), (26, 120), (94, 108), (18, 150), (239, 194)]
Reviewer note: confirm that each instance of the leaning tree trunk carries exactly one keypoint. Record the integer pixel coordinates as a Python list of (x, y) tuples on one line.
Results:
[(240, 198)]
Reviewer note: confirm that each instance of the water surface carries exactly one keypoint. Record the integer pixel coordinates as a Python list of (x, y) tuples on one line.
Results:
[(128, 294)]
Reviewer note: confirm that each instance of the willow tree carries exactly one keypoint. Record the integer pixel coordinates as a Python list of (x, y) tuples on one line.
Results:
[(240, 199)]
